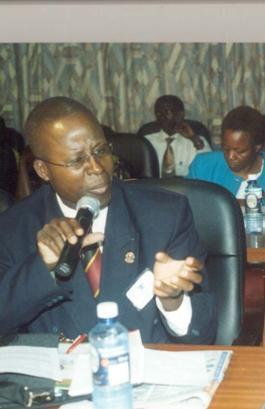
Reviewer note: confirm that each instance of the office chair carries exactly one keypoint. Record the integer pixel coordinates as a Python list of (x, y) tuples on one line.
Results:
[(6, 200), (219, 222), (136, 153)]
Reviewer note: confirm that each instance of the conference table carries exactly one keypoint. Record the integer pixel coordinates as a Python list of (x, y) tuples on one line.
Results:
[(255, 274), (256, 255), (255, 292), (243, 386)]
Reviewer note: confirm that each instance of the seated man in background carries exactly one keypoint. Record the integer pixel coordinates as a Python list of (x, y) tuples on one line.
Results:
[(243, 135), (136, 228), (8, 167), (11, 145), (12, 137), (176, 140)]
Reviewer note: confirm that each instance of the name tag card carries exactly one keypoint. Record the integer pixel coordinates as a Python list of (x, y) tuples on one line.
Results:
[(142, 291)]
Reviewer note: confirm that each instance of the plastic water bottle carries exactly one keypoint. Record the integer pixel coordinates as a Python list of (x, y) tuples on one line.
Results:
[(253, 211), (110, 360)]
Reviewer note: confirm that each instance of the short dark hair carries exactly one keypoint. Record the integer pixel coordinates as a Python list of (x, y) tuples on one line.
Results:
[(169, 99), (49, 110), (246, 119)]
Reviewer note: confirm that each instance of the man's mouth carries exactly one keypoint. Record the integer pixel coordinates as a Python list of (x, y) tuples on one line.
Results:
[(99, 189), (233, 164)]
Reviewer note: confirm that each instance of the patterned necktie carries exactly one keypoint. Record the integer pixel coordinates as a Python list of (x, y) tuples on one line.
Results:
[(91, 258), (168, 164)]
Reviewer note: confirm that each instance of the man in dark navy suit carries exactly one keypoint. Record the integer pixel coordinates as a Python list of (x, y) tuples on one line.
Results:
[(144, 234)]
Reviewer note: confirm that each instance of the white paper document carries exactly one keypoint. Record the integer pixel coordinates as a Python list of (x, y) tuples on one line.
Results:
[(182, 395), (170, 397), (76, 369), (175, 368), (29, 360)]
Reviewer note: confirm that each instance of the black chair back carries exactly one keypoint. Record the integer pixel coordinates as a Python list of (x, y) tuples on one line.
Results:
[(219, 222), (137, 153), (6, 200)]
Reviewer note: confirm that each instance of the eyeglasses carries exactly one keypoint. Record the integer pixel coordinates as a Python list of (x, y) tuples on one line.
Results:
[(98, 153)]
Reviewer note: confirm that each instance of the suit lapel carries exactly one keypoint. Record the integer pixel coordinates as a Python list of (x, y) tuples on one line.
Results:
[(121, 248)]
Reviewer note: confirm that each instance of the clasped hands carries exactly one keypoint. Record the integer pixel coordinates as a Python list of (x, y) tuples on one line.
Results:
[(171, 277)]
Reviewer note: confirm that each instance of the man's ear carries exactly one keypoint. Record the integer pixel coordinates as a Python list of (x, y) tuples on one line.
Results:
[(41, 169)]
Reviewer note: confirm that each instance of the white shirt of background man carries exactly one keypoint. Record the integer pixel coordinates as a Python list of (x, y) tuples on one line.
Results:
[(183, 148)]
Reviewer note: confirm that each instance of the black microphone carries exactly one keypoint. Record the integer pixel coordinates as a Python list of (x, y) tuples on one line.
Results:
[(87, 208)]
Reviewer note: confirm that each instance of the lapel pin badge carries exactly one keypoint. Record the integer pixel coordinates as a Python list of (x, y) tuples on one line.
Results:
[(129, 257)]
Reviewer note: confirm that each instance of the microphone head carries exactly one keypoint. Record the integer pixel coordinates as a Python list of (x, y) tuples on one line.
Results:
[(90, 203)]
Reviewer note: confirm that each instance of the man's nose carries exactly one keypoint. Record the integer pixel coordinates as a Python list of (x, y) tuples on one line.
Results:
[(169, 114), (231, 155), (93, 165)]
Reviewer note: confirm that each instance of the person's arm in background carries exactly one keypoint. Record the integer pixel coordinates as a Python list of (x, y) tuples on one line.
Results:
[(199, 141), (206, 147)]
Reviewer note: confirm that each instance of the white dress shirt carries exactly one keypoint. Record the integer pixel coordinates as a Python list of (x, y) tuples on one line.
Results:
[(179, 320), (183, 148)]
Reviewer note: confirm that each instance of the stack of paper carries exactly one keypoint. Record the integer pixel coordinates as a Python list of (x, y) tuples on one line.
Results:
[(35, 361), (161, 379), (180, 380), (176, 380)]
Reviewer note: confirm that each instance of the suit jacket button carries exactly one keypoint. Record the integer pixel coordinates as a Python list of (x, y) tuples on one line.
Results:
[(129, 257)]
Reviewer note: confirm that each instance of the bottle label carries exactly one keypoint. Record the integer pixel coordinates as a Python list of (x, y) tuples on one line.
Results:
[(110, 367), (252, 201)]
